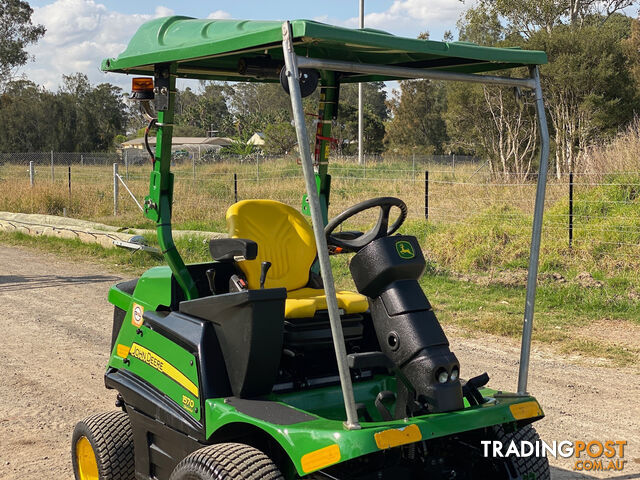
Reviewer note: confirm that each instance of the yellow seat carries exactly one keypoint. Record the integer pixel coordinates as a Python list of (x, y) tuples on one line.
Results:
[(304, 302), (285, 239)]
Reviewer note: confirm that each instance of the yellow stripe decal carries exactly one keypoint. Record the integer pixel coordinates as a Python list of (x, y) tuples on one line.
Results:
[(398, 436), (161, 365), (525, 410), (320, 458)]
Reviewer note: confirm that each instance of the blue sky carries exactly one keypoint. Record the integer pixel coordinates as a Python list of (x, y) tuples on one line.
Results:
[(80, 33)]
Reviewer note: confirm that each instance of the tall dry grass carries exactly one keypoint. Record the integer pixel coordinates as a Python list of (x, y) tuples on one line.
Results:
[(454, 194), (620, 155)]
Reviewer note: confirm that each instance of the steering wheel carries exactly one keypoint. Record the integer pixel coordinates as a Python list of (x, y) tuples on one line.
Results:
[(353, 242)]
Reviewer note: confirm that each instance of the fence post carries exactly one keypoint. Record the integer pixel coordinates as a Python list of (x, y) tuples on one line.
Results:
[(426, 194), (235, 187), (82, 160), (69, 186), (32, 173), (115, 189), (257, 168), (126, 164), (414, 167), (193, 164), (570, 210), (53, 178), (453, 164)]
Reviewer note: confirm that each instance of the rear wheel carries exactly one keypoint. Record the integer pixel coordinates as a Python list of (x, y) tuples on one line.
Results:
[(532, 467), (102, 448), (227, 461)]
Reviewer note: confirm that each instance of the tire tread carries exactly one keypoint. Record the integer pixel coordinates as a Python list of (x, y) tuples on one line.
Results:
[(227, 461), (111, 437)]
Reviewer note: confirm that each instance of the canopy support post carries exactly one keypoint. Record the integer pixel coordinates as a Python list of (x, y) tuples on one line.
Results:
[(159, 203), (527, 328), (318, 228)]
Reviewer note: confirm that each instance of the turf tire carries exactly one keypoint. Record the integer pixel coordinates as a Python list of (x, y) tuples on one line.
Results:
[(227, 461), (531, 468), (111, 438)]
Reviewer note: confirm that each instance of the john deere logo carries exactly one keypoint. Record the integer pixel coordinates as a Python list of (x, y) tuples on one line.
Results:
[(405, 249)]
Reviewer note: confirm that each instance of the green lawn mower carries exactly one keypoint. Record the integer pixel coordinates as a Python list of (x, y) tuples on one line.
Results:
[(252, 366)]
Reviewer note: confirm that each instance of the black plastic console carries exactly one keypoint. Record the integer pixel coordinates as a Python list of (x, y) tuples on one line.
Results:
[(387, 270), (249, 326)]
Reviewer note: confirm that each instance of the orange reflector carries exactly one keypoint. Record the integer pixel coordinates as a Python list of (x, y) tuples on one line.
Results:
[(398, 436), (142, 84), (320, 458), (525, 410), (122, 351)]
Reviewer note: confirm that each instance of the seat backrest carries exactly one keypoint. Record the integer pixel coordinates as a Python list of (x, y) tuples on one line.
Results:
[(284, 238)]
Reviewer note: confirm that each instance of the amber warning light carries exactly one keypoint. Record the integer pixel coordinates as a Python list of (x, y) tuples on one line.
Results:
[(142, 88)]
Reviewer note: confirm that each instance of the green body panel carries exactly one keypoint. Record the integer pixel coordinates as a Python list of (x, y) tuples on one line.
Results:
[(301, 438), (119, 298), (176, 356), (152, 291), (211, 48)]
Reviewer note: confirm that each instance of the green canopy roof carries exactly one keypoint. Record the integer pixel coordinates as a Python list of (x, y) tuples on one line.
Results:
[(219, 49)]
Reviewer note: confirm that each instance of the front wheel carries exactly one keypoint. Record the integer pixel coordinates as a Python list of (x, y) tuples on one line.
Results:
[(532, 467), (227, 461), (102, 448)]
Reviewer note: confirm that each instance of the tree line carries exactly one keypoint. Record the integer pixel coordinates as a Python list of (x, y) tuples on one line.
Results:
[(591, 86)]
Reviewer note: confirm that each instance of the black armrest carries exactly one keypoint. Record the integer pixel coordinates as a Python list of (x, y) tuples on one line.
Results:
[(222, 249), (369, 360)]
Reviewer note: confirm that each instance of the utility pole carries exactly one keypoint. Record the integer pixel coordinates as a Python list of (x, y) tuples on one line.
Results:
[(360, 160)]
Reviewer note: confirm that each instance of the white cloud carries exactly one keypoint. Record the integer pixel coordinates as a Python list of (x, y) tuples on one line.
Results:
[(405, 17), (80, 34), (219, 14)]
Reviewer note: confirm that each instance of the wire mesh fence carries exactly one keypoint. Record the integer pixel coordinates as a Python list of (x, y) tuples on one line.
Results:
[(598, 212)]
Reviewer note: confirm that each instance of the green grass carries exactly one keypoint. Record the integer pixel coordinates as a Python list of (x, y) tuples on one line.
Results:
[(193, 249), (620, 356)]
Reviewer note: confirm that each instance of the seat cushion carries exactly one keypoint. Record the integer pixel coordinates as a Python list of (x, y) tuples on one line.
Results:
[(304, 302)]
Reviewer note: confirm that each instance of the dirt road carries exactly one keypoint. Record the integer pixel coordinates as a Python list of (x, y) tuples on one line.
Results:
[(55, 332)]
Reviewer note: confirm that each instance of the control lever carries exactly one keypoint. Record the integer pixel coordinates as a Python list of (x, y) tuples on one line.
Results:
[(264, 268), (211, 276)]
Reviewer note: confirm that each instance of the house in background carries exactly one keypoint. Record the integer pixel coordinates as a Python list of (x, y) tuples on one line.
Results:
[(256, 139)]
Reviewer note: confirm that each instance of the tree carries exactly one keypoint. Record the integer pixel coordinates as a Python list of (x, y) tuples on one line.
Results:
[(279, 138), (417, 123), (77, 118), (488, 122), (16, 33), (374, 98), (207, 110), (588, 84), (22, 117), (525, 17), (481, 25)]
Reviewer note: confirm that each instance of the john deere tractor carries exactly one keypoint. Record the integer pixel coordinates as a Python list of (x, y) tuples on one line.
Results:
[(252, 365)]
